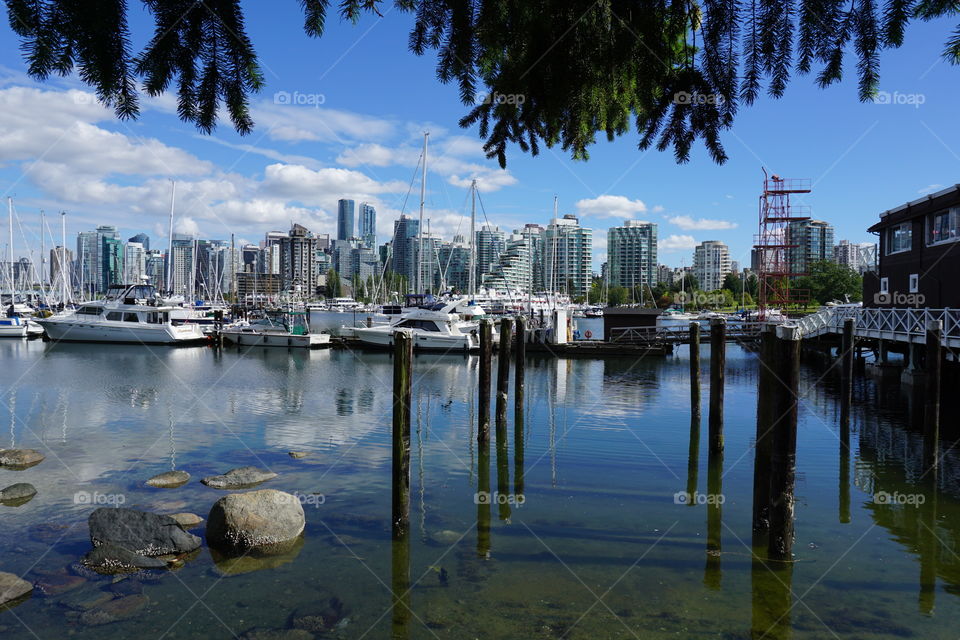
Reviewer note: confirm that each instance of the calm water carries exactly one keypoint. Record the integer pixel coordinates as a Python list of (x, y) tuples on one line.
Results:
[(598, 549)]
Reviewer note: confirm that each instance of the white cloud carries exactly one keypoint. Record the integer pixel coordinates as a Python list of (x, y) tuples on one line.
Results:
[(675, 243), (317, 124), (930, 188), (323, 186), (186, 225), (688, 223), (608, 206)]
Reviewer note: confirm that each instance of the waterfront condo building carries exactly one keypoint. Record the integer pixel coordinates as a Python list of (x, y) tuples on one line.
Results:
[(368, 225), (568, 254), (810, 241), (711, 264), (632, 254), (345, 212)]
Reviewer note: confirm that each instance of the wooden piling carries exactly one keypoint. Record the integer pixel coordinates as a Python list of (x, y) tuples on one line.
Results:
[(483, 405), (400, 588), (785, 383), (693, 452), (847, 347), (762, 442), (503, 368), (483, 498), (718, 360), (931, 423), (402, 365), (712, 570), (519, 365)]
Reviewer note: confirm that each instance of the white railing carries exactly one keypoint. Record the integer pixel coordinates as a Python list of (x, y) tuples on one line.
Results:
[(904, 325)]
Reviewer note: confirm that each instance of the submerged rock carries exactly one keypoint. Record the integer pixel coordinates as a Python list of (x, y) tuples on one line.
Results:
[(17, 494), (319, 617), (146, 534), (114, 610), (58, 583), (169, 480), (257, 559), (13, 589), (276, 634), (255, 519), (187, 520), (241, 478), (110, 559), (85, 599), (20, 458), (296, 455)]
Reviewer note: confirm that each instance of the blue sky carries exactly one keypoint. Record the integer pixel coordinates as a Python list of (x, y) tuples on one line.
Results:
[(364, 103)]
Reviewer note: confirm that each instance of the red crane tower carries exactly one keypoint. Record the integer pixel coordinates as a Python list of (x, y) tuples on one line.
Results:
[(773, 243)]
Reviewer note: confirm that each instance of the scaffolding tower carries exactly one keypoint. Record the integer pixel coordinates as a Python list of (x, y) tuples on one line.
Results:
[(775, 269)]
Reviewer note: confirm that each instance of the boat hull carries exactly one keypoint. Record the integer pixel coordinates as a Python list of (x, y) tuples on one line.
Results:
[(422, 340), (13, 331), (121, 333), (249, 339)]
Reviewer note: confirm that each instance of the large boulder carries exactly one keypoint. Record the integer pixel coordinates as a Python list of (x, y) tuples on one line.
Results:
[(13, 589), (241, 478), (17, 494), (145, 534), (169, 480), (255, 519), (20, 458)]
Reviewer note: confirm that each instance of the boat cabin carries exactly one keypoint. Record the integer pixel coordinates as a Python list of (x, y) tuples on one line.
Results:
[(145, 294)]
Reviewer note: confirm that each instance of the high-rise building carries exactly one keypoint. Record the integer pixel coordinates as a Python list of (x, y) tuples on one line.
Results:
[(711, 264), (514, 270), (430, 262), (61, 266), (345, 212), (455, 263), (182, 266), (810, 241), (405, 229), (632, 254), (568, 253), (154, 265), (88, 262), (861, 257), (490, 243), (134, 263), (297, 257), (368, 225), (143, 239), (100, 259)]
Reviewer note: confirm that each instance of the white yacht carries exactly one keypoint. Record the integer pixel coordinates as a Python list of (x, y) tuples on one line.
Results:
[(13, 327), (438, 328), (129, 313)]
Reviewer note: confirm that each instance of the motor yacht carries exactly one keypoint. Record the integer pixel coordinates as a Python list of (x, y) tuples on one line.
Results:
[(275, 332), (128, 314), (440, 327)]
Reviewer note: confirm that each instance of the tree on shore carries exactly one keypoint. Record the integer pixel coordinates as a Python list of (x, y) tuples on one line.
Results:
[(531, 74)]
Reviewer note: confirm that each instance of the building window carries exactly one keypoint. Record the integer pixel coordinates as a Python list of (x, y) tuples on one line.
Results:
[(943, 226), (899, 238), (914, 283), (884, 285)]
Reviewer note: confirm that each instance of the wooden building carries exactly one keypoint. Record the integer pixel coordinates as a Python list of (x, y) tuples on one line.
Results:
[(919, 254)]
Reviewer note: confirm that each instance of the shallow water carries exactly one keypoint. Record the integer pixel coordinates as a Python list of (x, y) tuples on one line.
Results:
[(599, 548)]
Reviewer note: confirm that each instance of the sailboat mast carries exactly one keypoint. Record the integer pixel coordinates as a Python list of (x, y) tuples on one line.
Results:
[(173, 194), (63, 258), (10, 245), (423, 190), (472, 288), (42, 250)]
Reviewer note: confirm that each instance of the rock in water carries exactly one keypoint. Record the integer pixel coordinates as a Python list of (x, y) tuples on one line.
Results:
[(20, 458), (145, 534), (110, 559), (241, 478), (58, 584), (114, 610), (187, 520), (319, 617), (277, 634), (258, 518), (296, 455), (13, 588), (17, 494), (169, 480)]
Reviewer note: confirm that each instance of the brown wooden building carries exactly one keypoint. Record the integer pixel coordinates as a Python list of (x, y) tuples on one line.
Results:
[(919, 254)]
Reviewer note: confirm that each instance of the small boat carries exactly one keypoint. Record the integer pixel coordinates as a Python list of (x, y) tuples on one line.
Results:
[(439, 327), (593, 312), (131, 314), (13, 327), (275, 332)]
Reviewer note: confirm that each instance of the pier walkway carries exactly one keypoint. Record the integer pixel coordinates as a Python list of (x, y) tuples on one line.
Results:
[(897, 325), (680, 334)]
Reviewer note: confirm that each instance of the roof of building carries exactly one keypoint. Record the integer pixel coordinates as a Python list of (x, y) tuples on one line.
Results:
[(918, 207)]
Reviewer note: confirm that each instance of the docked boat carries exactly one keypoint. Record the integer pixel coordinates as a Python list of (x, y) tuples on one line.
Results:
[(13, 327), (271, 332), (132, 314), (435, 328)]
